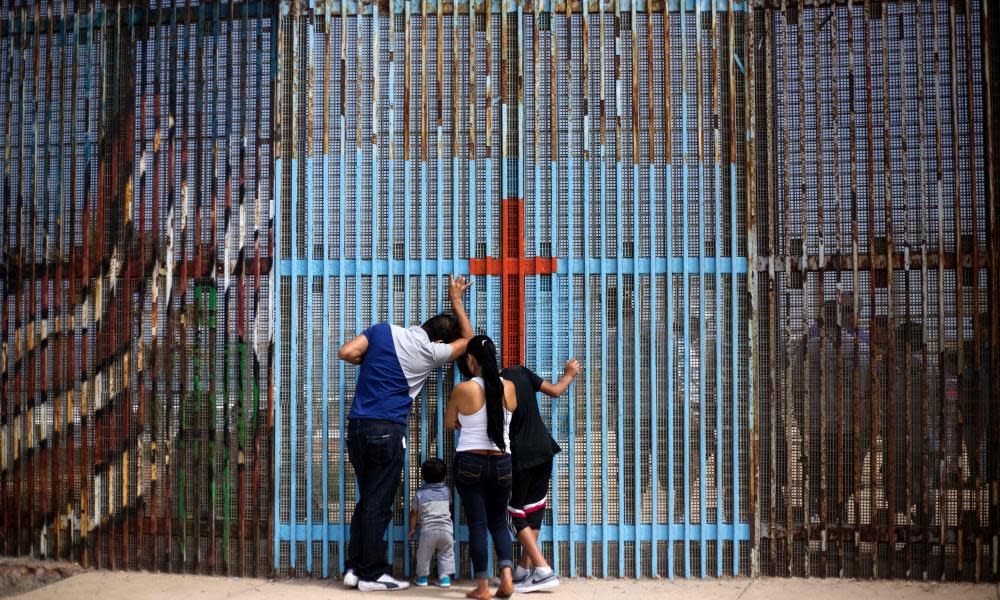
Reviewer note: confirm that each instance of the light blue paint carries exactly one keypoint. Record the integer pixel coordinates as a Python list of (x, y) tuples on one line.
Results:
[(327, 327), (374, 182), (276, 329), (686, 295), (565, 533), (554, 303), (640, 266), (587, 251), (310, 398), (293, 353), (636, 366), (734, 365), (670, 374), (702, 471), (653, 373)]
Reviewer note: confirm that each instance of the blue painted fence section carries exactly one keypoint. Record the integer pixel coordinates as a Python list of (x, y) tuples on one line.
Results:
[(651, 476)]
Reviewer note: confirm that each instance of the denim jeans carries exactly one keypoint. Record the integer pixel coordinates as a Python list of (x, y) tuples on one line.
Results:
[(484, 482), (376, 452)]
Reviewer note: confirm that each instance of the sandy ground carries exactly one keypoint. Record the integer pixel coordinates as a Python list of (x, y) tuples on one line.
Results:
[(105, 585)]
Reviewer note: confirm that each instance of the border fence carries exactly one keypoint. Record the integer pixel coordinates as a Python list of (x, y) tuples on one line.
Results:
[(767, 230)]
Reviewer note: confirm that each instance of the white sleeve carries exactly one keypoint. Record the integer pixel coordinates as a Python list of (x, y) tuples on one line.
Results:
[(441, 353)]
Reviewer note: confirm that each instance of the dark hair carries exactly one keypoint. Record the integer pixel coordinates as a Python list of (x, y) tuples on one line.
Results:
[(433, 470), (442, 327), (462, 364), (484, 351)]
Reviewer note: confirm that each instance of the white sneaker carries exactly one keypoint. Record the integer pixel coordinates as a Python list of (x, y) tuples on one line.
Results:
[(385, 583), (350, 579), (537, 582)]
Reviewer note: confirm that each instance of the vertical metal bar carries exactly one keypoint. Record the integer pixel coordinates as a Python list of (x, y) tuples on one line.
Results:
[(276, 277), (702, 462), (471, 181), (310, 244), (9, 356), (855, 287), (488, 175), (805, 424), (455, 206), (244, 385), (873, 383), (293, 388), (618, 273), (821, 293), (439, 184), (771, 121), (211, 316), (375, 66), (753, 316), (960, 437), (925, 467), (604, 279), (786, 247), (342, 291), (994, 270), (423, 184), (668, 203), (717, 218), (327, 325), (889, 450), (939, 174), (391, 237), (636, 393), (653, 374), (636, 334), (30, 458), (587, 254), (978, 441), (570, 299), (686, 296), (838, 243), (553, 240), (908, 444)]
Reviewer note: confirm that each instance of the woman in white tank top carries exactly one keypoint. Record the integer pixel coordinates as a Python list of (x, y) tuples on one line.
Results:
[(481, 410)]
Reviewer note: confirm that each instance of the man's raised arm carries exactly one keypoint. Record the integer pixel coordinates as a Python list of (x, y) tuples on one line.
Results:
[(456, 289)]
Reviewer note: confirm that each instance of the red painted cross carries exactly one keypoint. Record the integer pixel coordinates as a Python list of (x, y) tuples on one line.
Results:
[(513, 266)]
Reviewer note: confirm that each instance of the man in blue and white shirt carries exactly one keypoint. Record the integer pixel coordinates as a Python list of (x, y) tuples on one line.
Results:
[(394, 362)]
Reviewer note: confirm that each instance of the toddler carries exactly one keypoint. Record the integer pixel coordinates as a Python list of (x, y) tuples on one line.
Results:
[(431, 508)]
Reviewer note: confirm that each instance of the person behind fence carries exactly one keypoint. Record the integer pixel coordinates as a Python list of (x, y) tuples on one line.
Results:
[(431, 510), (481, 409), (394, 363)]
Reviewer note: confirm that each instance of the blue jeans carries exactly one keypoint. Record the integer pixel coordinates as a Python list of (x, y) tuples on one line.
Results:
[(484, 483), (376, 452)]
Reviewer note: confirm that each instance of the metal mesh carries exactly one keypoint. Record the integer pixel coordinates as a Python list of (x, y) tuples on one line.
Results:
[(874, 371), (135, 312)]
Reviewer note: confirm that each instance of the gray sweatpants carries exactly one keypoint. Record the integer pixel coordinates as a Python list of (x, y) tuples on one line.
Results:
[(432, 540)]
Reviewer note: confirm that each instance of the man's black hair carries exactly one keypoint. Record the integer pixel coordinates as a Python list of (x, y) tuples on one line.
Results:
[(433, 470), (442, 328)]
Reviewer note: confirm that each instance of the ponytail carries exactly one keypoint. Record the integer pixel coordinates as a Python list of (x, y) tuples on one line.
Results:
[(485, 352)]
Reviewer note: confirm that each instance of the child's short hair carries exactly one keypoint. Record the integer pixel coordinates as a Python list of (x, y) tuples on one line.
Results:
[(433, 470)]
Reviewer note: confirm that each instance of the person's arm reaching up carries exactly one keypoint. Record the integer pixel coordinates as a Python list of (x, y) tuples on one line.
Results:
[(554, 390), (354, 350), (456, 289)]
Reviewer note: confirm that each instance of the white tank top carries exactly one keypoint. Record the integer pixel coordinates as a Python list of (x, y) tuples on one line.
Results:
[(473, 436)]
